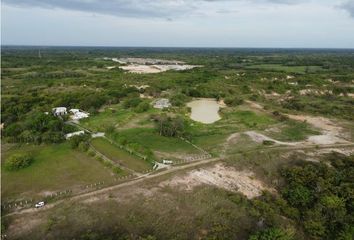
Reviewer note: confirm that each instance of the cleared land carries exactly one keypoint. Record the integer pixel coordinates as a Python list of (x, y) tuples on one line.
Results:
[(55, 168)]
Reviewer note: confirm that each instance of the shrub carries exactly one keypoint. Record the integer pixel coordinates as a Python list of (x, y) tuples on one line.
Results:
[(131, 103), (233, 101), (142, 107), (18, 161), (268, 142), (271, 234), (76, 140)]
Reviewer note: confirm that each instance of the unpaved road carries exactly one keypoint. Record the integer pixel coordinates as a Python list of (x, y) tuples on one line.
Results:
[(171, 170)]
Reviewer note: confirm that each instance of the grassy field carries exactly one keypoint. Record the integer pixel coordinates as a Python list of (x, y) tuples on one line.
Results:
[(118, 117), (293, 131), (55, 168), (112, 116), (149, 138), (121, 156), (248, 119)]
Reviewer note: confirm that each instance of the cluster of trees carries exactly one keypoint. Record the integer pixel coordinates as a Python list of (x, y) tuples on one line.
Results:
[(169, 126), (178, 99), (80, 142), (18, 161), (317, 197), (36, 128), (323, 197), (136, 104), (327, 105), (24, 119)]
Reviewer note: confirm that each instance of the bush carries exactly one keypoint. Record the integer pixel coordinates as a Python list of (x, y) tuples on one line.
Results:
[(131, 103), (76, 140), (233, 101), (268, 142), (18, 161), (271, 234), (142, 107)]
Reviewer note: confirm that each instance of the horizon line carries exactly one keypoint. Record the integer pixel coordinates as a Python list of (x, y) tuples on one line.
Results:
[(180, 47)]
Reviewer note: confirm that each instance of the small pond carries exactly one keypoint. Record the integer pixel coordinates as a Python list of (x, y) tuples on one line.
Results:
[(205, 110)]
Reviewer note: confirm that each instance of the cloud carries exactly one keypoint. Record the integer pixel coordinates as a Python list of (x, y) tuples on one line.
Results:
[(167, 9), (127, 8), (349, 7)]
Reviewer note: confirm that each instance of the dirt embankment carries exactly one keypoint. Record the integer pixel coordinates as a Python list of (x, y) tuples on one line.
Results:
[(222, 177)]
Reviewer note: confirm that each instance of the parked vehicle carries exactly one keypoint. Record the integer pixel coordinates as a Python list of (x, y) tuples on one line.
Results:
[(39, 204)]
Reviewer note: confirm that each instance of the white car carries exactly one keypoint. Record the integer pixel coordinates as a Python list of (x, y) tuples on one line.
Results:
[(39, 204)]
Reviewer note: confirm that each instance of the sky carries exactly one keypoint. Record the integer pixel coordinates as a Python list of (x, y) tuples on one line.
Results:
[(179, 23)]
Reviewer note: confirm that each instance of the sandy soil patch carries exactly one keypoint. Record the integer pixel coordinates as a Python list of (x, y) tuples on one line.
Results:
[(134, 68), (254, 105), (222, 177), (318, 122), (110, 67), (331, 132), (259, 138), (344, 151)]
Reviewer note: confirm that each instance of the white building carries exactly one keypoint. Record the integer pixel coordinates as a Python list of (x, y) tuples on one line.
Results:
[(78, 114), (78, 133), (162, 103), (59, 111), (167, 161)]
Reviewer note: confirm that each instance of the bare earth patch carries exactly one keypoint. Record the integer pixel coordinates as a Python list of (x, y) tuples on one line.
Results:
[(331, 132), (220, 176), (259, 138)]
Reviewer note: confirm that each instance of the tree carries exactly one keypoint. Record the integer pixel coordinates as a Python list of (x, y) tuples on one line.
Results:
[(298, 195), (170, 127)]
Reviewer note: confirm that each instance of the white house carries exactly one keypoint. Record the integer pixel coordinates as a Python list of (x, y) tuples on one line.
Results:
[(78, 114), (78, 133), (162, 103), (59, 111)]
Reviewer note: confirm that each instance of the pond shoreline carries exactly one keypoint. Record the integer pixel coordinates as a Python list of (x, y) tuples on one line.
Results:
[(205, 110)]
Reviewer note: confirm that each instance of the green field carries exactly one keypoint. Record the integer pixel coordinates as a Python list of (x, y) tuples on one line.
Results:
[(109, 117), (293, 131), (55, 168), (149, 138), (120, 156)]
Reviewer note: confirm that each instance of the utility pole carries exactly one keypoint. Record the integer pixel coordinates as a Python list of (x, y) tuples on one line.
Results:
[(39, 54)]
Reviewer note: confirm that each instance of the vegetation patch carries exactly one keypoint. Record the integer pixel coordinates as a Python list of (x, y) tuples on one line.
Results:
[(120, 155), (18, 161), (293, 131), (56, 168)]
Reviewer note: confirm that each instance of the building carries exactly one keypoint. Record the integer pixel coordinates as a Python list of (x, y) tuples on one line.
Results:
[(78, 133), (59, 111), (167, 161), (77, 114), (162, 103)]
